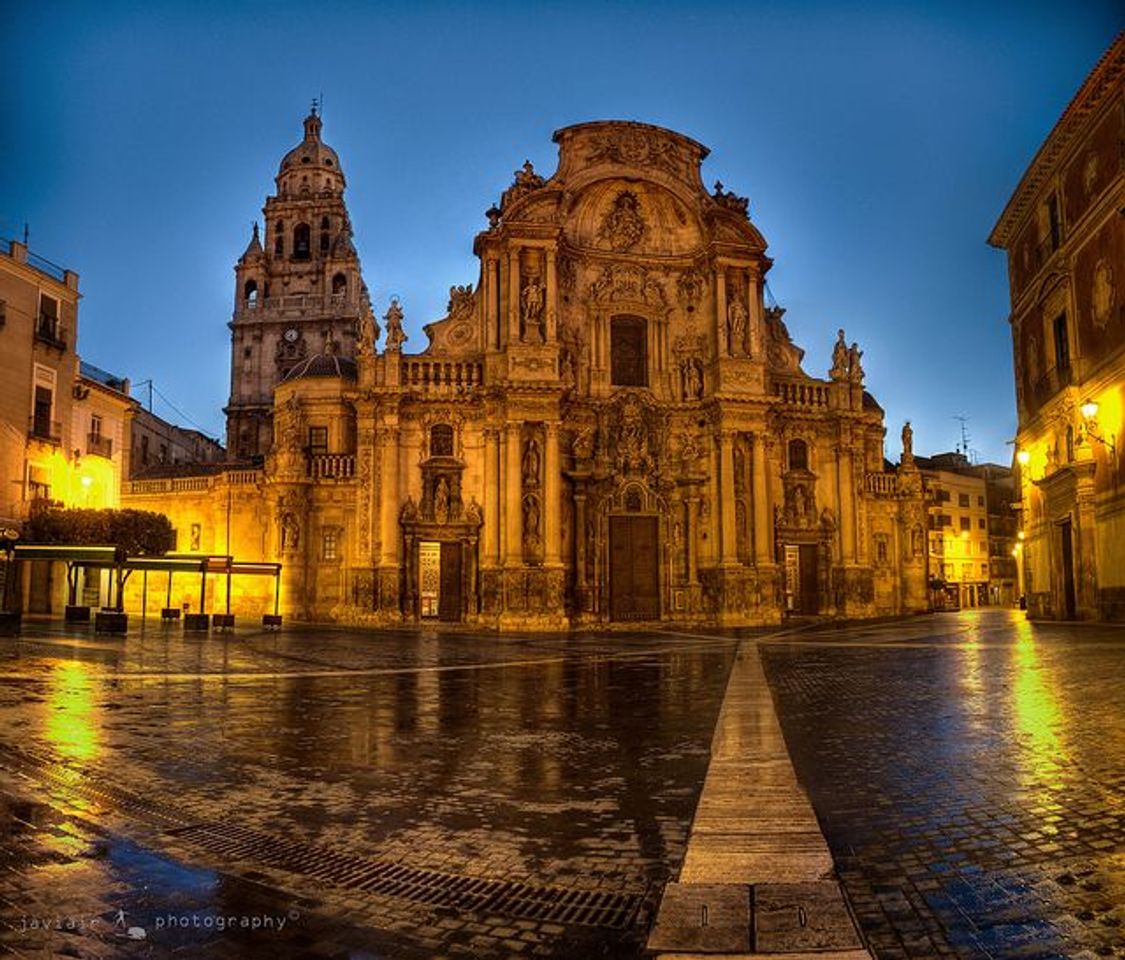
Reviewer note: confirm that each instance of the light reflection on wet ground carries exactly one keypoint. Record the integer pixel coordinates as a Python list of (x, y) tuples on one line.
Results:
[(571, 761), (969, 774)]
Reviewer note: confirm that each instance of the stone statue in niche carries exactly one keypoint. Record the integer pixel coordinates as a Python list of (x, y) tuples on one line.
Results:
[(531, 521), (632, 444), (531, 461), (691, 379), (736, 327), (583, 444), (532, 301), (855, 370), (441, 501), (395, 335), (839, 369), (409, 510), (290, 532), (473, 513), (623, 226)]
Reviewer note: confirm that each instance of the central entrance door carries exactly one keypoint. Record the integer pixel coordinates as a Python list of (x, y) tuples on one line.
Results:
[(634, 569), (449, 593)]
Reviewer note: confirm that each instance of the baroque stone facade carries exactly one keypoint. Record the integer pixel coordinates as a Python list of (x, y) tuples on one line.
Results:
[(609, 425)]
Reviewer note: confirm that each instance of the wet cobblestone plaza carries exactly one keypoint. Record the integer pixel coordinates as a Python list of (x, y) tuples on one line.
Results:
[(968, 772), (325, 793), (349, 787)]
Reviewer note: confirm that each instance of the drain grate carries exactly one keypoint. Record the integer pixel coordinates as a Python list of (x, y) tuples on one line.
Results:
[(588, 908), (48, 770)]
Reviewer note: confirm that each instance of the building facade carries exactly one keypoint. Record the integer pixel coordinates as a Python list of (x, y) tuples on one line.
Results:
[(610, 425), (158, 446), (1064, 232)]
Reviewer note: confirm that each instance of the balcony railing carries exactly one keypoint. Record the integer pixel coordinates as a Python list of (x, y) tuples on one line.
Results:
[(234, 478), (99, 446), (298, 305), (48, 330), (881, 484), (331, 466), (803, 393), (43, 428), (442, 376)]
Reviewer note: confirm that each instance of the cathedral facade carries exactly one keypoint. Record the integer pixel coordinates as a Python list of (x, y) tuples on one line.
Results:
[(610, 425)]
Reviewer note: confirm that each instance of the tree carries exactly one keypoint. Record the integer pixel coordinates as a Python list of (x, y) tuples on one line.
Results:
[(137, 532)]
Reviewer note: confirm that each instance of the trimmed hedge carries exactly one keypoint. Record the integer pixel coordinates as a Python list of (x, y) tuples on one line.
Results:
[(138, 532)]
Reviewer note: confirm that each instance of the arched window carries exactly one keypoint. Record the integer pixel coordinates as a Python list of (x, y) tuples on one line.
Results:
[(250, 293), (279, 239), (301, 241), (339, 284), (798, 455), (441, 440), (628, 352), (324, 223), (324, 243)]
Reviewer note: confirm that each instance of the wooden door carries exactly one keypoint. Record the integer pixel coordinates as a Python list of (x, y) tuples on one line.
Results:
[(449, 594), (1070, 604), (808, 600), (634, 569)]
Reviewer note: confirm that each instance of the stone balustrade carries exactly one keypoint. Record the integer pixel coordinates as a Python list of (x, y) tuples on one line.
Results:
[(331, 466), (803, 393), (881, 484), (441, 376)]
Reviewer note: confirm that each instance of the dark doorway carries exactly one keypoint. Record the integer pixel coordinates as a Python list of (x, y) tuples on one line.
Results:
[(807, 596), (449, 594), (1070, 604), (634, 569)]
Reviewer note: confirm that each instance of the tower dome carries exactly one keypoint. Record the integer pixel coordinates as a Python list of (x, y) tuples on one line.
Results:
[(311, 167)]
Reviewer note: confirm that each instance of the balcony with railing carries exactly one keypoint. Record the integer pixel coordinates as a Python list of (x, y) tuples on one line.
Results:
[(881, 484), (48, 330), (162, 485), (299, 305), (813, 394), (331, 466), (441, 376), (99, 446), (44, 428)]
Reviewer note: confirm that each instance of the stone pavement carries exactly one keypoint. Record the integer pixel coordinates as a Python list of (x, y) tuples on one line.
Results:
[(968, 771), (324, 793), (757, 879)]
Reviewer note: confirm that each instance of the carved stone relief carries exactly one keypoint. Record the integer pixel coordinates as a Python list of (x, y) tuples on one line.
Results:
[(623, 226)]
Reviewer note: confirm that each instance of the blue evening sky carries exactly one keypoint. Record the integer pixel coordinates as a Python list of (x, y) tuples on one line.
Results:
[(878, 143)]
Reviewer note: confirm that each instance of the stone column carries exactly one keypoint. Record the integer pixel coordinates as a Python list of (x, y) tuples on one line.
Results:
[(513, 487), (551, 317), (847, 502), (580, 542), (491, 306), (692, 535), (763, 548), (390, 496), (491, 532), (729, 535), (513, 294), (552, 499), (756, 310), (721, 307)]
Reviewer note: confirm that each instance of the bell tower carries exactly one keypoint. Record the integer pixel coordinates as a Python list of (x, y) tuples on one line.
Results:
[(298, 291)]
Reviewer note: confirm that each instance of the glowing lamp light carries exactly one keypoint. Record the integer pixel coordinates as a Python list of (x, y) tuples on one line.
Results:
[(1021, 535), (1024, 457), (1089, 409), (86, 481)]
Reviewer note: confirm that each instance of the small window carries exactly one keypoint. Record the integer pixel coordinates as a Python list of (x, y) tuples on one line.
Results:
[(962, 499), (798, 455), (339, 284), (279, 239), (881, 549), (327, 161), (1062, 344), (331, 544), (980, 523), (324, 225), (965, 523), (301, 241), (441, 440), (984, 569), (250, 293), (628, 352), (980, 501), (247, 352), (164, 453), (95, 426), (318, 440), (324, 243)]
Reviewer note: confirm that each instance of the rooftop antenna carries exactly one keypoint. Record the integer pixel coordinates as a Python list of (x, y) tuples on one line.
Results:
[(963, 449)]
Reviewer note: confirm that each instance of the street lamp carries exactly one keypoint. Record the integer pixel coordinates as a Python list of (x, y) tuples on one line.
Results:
[(1089, 413), (1023, 457)]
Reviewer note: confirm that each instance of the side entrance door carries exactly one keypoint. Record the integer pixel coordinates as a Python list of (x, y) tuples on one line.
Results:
[(449, 593), (634, 569), (808, 600), (1070, 604)]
